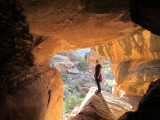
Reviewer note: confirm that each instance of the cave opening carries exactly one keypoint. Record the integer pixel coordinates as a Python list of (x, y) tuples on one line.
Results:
[(77, 71), (34, 30)]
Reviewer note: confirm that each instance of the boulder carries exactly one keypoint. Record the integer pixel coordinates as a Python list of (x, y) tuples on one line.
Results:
[(103, 106), (73, 56), (62, 63), (73, 71), (84, 90)]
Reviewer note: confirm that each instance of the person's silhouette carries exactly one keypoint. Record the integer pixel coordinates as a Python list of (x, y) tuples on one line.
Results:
[(98, 76)]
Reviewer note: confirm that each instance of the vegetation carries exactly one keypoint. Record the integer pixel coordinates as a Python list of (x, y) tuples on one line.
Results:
[(84, 81), (64, 87), (64, 75), (109, 84), (70, 90), (70, 102), (77, 88), (107, 70), (82, 95), (54, 67), (83, 65), (110, 72), (106, 66)]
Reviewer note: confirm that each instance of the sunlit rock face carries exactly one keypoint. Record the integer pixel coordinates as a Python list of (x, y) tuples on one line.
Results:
[(28, 83), (91, 58), (68, 25), (134, 62), (103, 106), (66, 19)]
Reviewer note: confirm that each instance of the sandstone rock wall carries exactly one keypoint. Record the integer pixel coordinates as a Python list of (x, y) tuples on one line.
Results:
[(91, 58), (148, 108), (134, 62), (28, 91), (29, 88)]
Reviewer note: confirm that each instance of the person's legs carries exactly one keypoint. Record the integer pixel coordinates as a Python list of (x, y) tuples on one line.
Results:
[(99, 86)]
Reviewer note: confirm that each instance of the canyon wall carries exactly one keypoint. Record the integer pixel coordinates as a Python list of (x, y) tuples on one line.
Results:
[(134, 62), (28, 91), (148, 108)]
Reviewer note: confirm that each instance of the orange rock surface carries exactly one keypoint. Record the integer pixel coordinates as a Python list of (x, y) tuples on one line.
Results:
[(63, 28), (59, 26), (134, 62)]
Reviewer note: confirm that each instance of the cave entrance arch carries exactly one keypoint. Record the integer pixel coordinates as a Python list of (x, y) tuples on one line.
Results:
[(26, 56), (77, 72)]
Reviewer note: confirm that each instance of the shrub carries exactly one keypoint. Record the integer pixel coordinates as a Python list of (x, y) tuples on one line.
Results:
[(54, 67), (64, 87), (70, 102), (93, 79), (82, 82), (109, 84), (87, 81), (83, 65), (76, 83), (82, 95), (70, 90), (80, 99), (64, 75), (77, 87)]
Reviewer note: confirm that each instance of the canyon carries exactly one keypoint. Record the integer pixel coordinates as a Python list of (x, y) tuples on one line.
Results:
[(32, 31)]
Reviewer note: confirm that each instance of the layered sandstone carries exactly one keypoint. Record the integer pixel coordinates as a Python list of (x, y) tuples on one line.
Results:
[(103, 106), (30, 88), (68, 27), (91, 58), (134, 62), (62, 63)]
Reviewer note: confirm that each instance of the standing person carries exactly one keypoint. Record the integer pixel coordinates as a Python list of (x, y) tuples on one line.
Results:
[(98, 76)]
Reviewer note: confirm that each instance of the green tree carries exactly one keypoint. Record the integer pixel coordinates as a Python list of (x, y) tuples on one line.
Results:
[(70, 90), (82, 95), (83, 65), (64, 75)]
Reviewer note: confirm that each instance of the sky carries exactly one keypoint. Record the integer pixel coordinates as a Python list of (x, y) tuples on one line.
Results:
[(83, 51)]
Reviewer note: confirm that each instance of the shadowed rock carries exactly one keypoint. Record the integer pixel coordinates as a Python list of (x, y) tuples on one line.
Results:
[(149, 106)]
